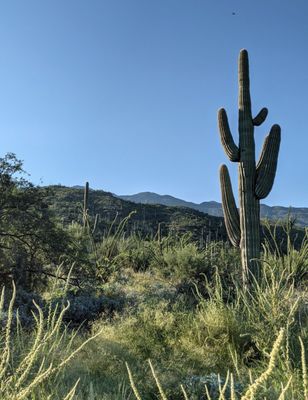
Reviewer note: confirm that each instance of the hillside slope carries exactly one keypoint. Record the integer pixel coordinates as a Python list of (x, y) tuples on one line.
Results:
[(67, 205)]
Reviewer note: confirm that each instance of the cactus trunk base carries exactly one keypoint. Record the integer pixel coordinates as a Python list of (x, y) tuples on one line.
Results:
[(250, 241)]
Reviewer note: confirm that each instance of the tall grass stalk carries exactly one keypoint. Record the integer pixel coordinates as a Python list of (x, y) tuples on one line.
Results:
[(23, 371), (252, 389), (304, 368), (160, 389), (132, 383)]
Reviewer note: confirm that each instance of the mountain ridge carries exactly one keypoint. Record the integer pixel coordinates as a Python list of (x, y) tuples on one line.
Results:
[(214, 208)]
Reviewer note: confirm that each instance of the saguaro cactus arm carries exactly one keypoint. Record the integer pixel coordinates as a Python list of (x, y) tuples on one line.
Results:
[(267, 165), (231, 215), (227, 141), (260, 118)]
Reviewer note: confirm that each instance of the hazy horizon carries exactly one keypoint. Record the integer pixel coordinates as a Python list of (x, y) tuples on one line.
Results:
[(176, 197)]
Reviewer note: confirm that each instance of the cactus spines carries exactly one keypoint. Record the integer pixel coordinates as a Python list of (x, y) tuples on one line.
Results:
[(255, 181)]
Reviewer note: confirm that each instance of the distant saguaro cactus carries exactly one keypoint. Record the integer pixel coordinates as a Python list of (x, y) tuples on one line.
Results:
[(255, 180), (85, 203)]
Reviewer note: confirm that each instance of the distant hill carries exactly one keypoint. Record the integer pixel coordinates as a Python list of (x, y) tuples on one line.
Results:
[(214, 208), (208, 207), (147, 220), (66, 203)]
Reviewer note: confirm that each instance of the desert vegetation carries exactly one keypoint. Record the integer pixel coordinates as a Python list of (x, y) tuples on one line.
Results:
[(94, 313)]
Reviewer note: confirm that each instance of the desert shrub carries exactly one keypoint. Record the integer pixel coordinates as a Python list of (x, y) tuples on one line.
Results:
[(85, 306), (293, 262), (31, 363), (184, 262), (215, 333), (24, 307), (179, 260), (109, 251), (271, 304), (189, 267), (136, 253), (149, 331), (81, 250)]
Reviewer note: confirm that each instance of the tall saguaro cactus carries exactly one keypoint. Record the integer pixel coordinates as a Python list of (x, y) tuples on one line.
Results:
[(255, 180)]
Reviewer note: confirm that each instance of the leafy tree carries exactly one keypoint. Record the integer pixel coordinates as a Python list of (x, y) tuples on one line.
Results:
[(31, 242)]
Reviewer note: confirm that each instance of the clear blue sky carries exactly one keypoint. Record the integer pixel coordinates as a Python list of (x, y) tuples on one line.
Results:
[(125, 93)]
